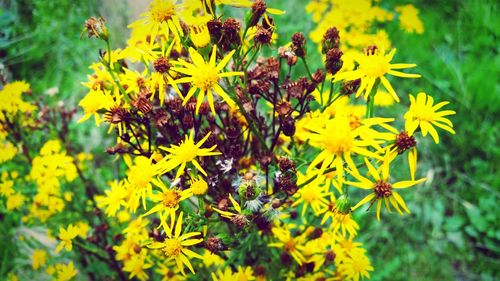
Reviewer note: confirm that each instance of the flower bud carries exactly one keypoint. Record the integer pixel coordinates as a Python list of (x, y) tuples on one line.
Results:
[(343, 204)]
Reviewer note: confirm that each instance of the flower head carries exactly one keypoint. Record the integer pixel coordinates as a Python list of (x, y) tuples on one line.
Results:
[(375, 64), (186, 152), (175, 246), (423, 113), (204, 77), (66, 235)]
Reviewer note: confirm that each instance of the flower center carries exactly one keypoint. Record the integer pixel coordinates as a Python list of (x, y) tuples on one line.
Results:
[(338, 138), (171, 198), (205, 77), (162, 10), (172, 247), (375, 65), (309, 196), (290, 246), (423, 113), (187, 151), (383, 189)]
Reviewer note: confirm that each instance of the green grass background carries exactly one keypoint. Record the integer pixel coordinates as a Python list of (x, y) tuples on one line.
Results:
[(453, 232)]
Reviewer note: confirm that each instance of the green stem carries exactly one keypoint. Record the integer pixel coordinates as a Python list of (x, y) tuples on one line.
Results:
[(371, 99)]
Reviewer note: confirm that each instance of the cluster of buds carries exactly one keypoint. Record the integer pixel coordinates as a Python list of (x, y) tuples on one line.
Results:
[(287, 180), (330, 47)]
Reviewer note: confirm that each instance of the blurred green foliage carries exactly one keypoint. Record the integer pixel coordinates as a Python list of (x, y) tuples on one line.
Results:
[(453, 232)]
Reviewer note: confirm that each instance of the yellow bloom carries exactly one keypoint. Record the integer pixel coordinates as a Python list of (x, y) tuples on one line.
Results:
[(204, 77), (140, 175), (409, 20), (355, 266), (168, 199), (291, 245), (161, 17), (39, 258), (186, 152), (137, 266), (313, 194), (373, 65), (243, 274), (93, 102), (66, 235), (113, 199), (198, 186), (383, 190), (15, 201), (423, 113), (175, 246), (65, 272)]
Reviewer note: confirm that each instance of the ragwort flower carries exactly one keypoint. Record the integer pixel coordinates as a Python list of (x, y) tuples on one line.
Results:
[(423, 113), (204, 76)]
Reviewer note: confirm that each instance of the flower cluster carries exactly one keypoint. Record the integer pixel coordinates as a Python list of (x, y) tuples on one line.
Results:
[(228, 164)]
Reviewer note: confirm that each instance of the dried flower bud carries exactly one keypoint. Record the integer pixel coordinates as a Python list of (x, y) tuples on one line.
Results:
[(161, 64), (288, 126), (404, 142), (96, 28), (262, 36), (231, 33), (333, 61), (258, 9), (318, 76), (215, 29), (142, 102), (284, 108), (370, 50), (331, 40), (286, 164), (214, 245), (298, 44), (116, 115)]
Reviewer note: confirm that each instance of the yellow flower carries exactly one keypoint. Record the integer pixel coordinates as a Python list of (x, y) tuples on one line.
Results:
[(66, 235), (113, 198), (175, 246), (15, 201), (291, 245), (140, 175), (65, 272), (204, 77), (355, 266), (243, 274), (373, 65), (383, 190), (186, 152), (168, 199), (7, 151), (137, 265), (409, 20), (161, 17), (93, 102), (198, 186), (423, 113), (313, 194), (339, 138), (39, 258)]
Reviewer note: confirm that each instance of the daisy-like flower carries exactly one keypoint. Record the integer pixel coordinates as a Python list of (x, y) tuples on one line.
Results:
[(175, 246), (168, 199), (228, 275), (423, 113), (339, 138), (237, 218), (356, 266), (204, 76), (294, 246), (375, 64), (383, 190), (140, 175), (66, 235), (163, 17), (65, 272), (340, 221), (312, 195), (113, 198), (186, 152)]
